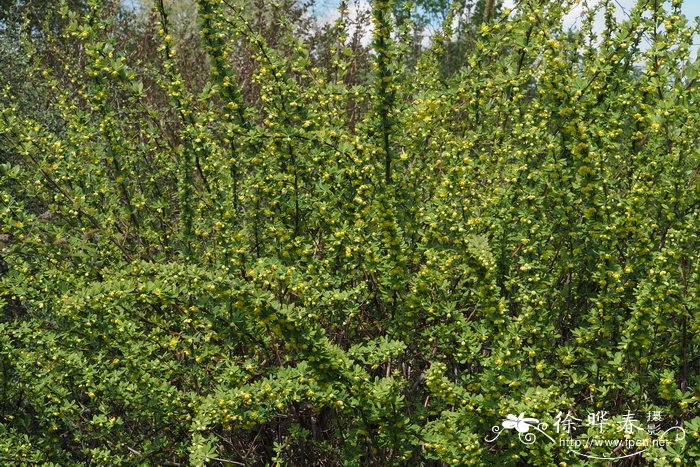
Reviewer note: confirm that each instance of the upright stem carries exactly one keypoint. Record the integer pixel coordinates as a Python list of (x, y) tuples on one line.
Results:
[(385, 86)]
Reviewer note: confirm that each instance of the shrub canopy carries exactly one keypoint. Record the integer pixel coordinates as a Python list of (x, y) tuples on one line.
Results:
[(266, 246)]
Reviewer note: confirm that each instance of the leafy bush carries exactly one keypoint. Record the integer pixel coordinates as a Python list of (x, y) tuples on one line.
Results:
[(326, 269)]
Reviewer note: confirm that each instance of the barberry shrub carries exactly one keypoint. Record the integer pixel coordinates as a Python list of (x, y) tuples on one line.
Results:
[(307, 262)]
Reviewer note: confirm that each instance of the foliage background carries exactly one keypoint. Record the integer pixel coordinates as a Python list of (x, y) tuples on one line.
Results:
[(240, 238)]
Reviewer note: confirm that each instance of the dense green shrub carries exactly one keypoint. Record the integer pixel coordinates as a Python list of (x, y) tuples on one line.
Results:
[(322, 270)]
